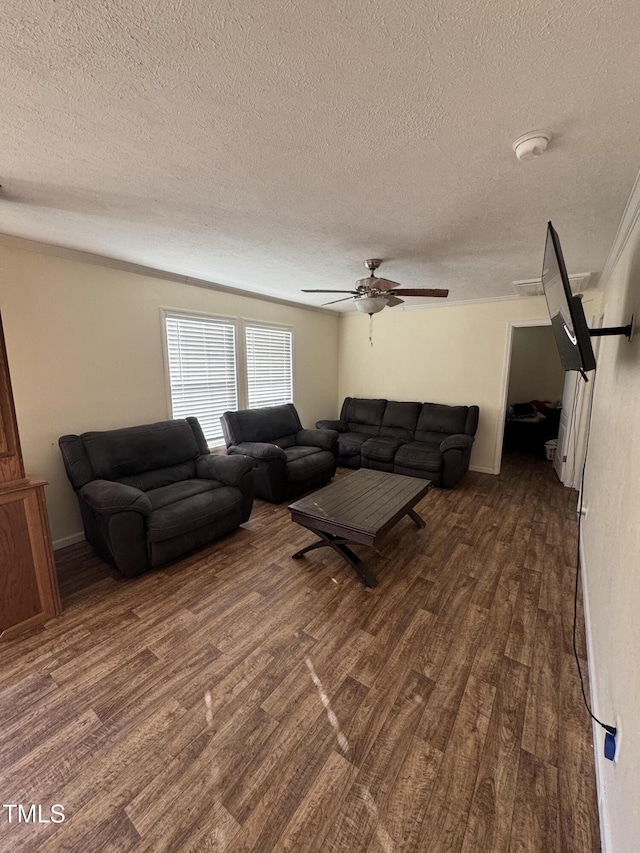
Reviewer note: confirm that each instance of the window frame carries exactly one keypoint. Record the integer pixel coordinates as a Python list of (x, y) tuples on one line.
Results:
[(240, 325), (178, 313), (262, 324)]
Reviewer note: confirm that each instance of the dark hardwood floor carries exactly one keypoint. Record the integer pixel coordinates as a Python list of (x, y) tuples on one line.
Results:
[(243, 701)]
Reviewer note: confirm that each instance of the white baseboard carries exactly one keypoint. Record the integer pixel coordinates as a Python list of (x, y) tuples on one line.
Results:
[(482, 470), (68, 540), (603, 816)]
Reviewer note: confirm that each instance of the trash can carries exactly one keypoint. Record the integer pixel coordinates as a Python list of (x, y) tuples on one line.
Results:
[(550, 448)]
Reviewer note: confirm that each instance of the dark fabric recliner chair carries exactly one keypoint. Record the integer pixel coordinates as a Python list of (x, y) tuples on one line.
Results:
[(150, 493), (288, 459)]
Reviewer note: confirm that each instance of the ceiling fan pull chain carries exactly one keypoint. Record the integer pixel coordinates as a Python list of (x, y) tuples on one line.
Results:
[(371, 329)]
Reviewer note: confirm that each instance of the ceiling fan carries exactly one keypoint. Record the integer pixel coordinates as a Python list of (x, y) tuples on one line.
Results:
[(372, 294)]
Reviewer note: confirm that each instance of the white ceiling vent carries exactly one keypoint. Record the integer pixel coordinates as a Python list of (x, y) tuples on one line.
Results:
[(533, 286), (528, 287)]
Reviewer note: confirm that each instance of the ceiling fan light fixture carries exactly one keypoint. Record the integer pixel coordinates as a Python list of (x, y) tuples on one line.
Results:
[(370, 304)]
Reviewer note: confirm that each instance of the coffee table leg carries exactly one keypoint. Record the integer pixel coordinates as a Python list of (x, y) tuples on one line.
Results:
[(303, 551), (415, 517), (361, 567), (341, 547)]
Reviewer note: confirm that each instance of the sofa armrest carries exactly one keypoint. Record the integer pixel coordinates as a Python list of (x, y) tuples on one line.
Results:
[(339, 426), (460, 441), (324, 438), (107, 498), (227, 469), (257, 450)]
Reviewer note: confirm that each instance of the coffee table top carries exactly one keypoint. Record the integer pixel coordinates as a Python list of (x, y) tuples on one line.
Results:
[(362, 505)]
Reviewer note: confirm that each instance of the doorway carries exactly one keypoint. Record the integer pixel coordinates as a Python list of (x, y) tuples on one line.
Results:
[(534, 387)]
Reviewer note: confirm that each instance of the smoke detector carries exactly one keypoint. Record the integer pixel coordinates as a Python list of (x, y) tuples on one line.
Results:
[(532, 144)]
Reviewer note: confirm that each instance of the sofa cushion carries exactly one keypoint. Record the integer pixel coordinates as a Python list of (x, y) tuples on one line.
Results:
[(178, 518), (399, 420), (293, 453), (264, 425), (285, 441), (148, 480), (311, 466), (350, 443), (433, 438), (119, 453), (179, 491), (364, 416), (380, 449), (421, 455), (435, 417)]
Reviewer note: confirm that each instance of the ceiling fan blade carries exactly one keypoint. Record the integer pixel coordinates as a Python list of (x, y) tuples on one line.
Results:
[(392, 300), (346, 299), (425, 291), (352, 292)]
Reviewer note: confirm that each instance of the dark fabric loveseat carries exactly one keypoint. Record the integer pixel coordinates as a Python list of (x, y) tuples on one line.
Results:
[(150, 493), (427, 440), (288, 459)]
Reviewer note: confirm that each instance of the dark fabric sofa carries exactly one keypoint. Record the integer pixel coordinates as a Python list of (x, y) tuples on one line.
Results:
[(427, 440), (150, 493), (288, 460)]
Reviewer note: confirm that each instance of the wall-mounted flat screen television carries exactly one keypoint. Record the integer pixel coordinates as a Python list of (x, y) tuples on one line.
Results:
[(567, 314)]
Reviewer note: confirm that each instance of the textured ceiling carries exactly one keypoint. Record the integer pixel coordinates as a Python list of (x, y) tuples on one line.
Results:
[(273, 146)]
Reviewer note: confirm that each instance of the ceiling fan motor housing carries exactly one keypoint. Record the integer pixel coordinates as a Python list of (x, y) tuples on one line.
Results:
[(367, 285)]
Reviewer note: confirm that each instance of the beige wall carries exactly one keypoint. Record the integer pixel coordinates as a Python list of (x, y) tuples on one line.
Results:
[(535, 372), (446, 354), (85, 352), (611, 553)]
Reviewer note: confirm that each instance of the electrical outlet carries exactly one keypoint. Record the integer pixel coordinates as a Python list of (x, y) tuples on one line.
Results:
[(609, 746)]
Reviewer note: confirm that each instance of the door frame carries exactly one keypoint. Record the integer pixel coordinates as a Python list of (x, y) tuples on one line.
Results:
[(506, 372)]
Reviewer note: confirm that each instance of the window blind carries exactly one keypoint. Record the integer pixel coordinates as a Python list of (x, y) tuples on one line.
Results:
[(202, 370), (269, 366)]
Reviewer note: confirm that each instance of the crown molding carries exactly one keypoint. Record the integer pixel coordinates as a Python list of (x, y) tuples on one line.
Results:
[(12, 242), (446, 303), (627, 224)]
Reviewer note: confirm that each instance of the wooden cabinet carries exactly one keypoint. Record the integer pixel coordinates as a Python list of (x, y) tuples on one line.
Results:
[(28, 584)]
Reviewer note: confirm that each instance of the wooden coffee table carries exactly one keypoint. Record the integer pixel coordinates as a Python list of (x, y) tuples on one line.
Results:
[(360, 507)]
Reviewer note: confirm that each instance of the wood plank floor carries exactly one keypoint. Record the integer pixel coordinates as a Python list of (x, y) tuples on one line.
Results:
[(243, 701)]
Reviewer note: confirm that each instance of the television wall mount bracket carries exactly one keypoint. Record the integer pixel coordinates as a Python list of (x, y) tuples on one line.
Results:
[(627, 330)]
